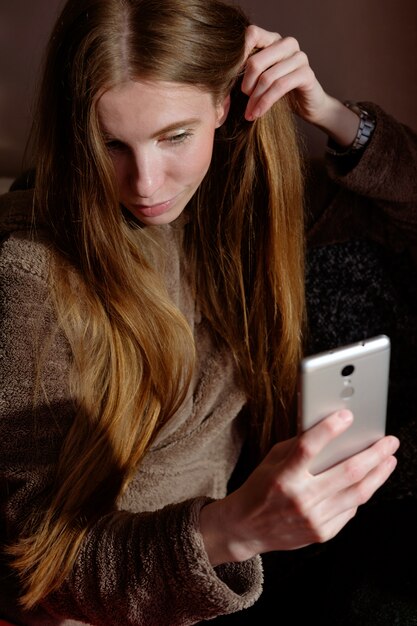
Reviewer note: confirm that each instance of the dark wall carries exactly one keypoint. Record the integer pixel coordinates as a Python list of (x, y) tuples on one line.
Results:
[(360, 50)]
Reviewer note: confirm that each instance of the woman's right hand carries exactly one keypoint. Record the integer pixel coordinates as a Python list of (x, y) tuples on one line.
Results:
[(282, 506), (274, 67)]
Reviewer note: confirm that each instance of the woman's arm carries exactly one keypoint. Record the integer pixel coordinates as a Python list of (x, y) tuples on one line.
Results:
[(381, 177), (280, 67)]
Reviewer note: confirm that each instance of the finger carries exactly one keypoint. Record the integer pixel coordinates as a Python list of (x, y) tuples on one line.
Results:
[(312, 441), (257, 37), (276, 52), (359, 493), (275, 83), (331, 528), (357, 467), (350, 483), (278, 71), (332, 509)]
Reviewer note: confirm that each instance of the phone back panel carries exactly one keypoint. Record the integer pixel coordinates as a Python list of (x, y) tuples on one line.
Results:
[(327, 384)]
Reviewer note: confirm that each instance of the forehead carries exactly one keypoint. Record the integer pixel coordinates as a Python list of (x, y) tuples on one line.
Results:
[(152, 104)]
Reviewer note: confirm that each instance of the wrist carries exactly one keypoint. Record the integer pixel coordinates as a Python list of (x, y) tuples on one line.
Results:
[(363, 134), (339, 122), (221, 543)]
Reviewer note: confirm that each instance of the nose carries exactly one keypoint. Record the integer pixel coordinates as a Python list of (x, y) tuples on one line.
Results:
[(146, 174)]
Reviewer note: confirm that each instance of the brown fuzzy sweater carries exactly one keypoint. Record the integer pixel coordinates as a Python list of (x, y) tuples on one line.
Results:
[(144, 563)]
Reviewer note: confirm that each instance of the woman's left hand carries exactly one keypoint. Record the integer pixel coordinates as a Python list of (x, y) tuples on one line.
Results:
[(277, 67)]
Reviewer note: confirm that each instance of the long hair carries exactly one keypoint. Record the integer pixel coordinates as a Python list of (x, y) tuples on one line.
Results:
[(131, 370)]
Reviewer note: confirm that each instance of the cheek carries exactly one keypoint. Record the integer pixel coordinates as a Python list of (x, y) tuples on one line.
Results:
[(199, 158), (120, 169)]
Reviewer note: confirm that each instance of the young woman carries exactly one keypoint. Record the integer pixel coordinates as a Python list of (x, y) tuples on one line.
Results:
[(153, 315)]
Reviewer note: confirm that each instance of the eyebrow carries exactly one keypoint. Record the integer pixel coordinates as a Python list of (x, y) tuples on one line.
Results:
[(192, 121)]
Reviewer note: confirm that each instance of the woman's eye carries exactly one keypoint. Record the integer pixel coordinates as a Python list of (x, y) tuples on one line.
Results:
[(179, 137), (113, 145)]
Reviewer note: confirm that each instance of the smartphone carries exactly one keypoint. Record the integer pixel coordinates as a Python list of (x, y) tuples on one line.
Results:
[(353, 377)]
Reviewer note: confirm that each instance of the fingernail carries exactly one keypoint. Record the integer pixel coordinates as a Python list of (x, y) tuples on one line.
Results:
[(345, 416), (253, 115), (391, 463)]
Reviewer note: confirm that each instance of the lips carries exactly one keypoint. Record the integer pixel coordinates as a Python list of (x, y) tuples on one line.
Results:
[(153, 210)]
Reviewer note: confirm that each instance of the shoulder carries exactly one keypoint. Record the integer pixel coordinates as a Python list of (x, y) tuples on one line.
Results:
[(15, 210), (22, 248)]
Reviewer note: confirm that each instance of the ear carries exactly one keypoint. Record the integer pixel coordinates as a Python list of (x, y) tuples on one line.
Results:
[(222, 111)]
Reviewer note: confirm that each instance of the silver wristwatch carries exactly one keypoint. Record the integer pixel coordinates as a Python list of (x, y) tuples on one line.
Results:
[(365, 129)]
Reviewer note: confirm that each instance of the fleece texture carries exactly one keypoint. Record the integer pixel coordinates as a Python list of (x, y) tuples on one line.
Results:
[(144, 561)]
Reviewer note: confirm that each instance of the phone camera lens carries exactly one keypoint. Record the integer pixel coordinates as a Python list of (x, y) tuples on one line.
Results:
[(348, 370)]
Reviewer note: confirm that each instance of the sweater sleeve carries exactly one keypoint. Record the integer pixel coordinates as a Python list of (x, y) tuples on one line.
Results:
[(373, 196), (386, 169), (133, 568)]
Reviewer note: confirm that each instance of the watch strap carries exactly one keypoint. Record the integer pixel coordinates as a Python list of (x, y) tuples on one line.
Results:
[(365, 129)]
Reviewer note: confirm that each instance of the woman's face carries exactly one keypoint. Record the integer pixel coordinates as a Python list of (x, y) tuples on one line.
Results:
[(160, 138)]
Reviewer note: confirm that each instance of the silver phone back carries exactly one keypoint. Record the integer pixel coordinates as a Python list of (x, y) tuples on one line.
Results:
[(324, 389)]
